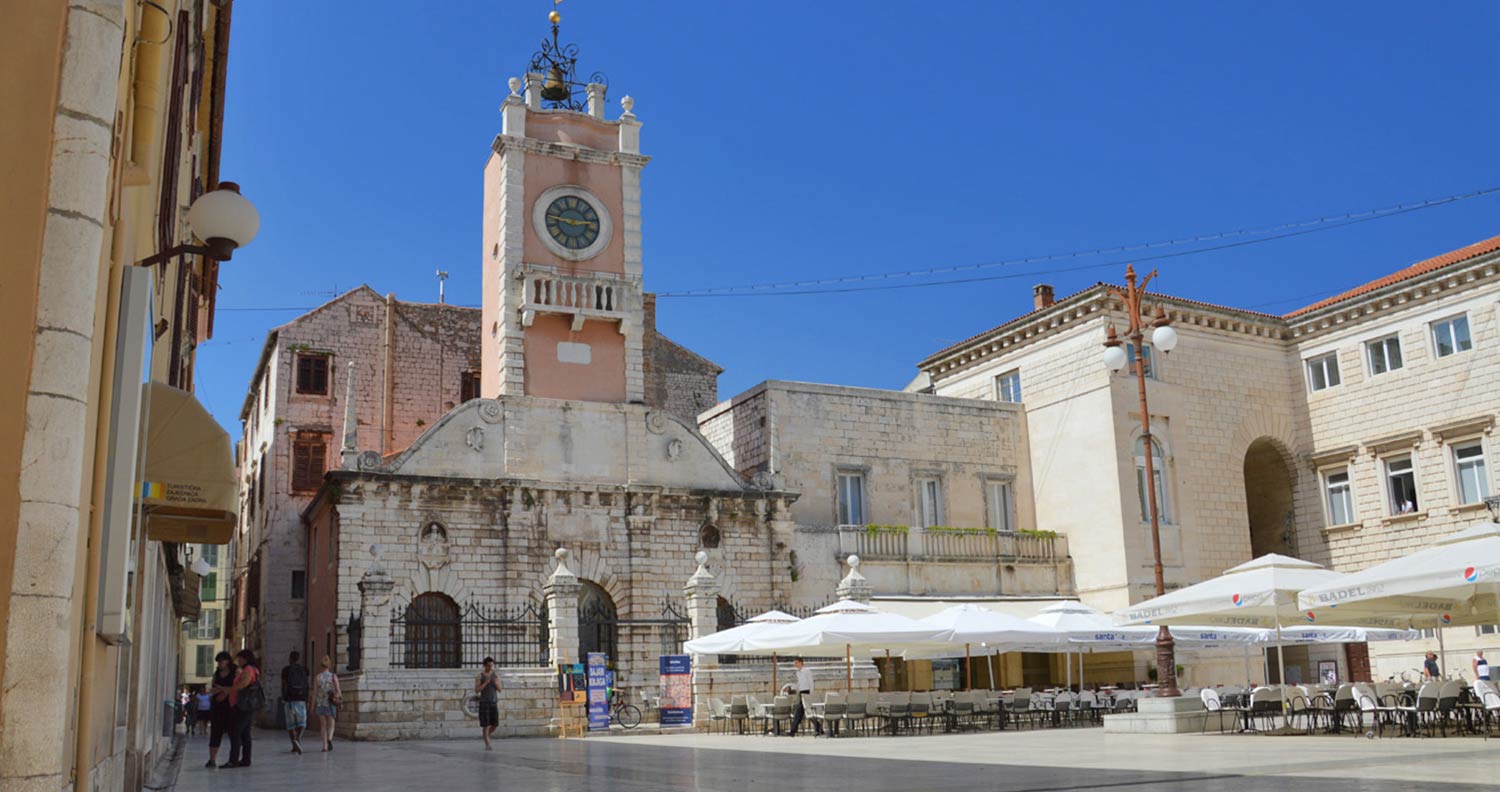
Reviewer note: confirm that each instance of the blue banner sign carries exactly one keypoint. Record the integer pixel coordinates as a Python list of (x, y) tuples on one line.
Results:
[(597, 676), (676, 690)]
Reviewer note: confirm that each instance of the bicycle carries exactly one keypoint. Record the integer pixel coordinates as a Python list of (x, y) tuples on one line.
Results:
[(627, 715)]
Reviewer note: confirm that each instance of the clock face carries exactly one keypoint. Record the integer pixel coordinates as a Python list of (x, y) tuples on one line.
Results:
[(572, 222)]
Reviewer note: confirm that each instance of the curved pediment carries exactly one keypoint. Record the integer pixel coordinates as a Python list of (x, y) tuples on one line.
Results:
[(554, 440)]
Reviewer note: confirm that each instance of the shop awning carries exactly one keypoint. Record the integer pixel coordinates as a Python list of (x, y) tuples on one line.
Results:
[(188, 488)]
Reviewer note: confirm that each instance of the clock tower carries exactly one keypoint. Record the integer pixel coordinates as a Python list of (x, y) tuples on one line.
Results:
[(563, 305)]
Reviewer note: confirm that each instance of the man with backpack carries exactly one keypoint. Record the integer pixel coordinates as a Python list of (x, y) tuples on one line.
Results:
[(294, 690)]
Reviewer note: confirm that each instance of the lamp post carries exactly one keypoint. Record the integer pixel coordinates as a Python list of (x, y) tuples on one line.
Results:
[(1164, 338), (222, 218)]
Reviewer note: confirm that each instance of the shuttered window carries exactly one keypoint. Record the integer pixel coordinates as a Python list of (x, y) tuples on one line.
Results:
[(309, 462), (312, 374)]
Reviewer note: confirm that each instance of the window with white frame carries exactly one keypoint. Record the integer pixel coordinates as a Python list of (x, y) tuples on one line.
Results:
[(1469, 470), (1451, 335), (1146, 354), (1159, 476), (1323, 371), (1401, 485), (1487, 629), (1008, 386), (1428, 633), (1383, 354), (1339, 497), (929, 502), (998, 505), (851, 485)]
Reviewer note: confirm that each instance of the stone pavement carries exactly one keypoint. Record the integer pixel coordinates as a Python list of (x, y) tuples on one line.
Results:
[(1031, 761)]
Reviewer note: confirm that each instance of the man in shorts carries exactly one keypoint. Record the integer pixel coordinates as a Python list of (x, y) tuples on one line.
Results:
[(294, 690), (487, 685)]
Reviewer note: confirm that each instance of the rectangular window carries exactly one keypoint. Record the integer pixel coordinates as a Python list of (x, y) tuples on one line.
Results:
[(209, 553), (998, 505), (1384, 355), (1323, 371), (929, 502), (1146, 354), (309, 463), (299, 584), (206, 628), (208, 587), (1340, 498), (1008, 387), (312, 374), (1401, 482), (1468, 468), (1451, 335), (1429, 633), (468, 386), (203, 660), (1487, 629), (851, 498)]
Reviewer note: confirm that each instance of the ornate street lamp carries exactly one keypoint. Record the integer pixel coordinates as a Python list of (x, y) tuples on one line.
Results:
[(222, 218), (1163, 337)]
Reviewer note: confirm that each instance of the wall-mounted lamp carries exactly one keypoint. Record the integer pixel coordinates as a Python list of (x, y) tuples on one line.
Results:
[(222, 218)]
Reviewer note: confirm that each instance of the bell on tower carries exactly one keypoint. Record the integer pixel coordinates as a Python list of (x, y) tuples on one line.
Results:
[(564, 312), (557, 64)]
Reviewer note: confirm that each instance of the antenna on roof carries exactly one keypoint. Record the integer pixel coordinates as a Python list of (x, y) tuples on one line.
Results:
[(442, 276)]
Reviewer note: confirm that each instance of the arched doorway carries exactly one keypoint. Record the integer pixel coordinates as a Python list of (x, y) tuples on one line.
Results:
[(434, 633), (598, 622), (1268, 499)]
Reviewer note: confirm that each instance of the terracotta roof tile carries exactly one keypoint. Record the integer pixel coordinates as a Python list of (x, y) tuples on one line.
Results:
[(1420, 268)]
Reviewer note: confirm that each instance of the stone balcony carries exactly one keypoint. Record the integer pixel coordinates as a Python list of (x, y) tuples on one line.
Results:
[(949, 562), (592, 295)]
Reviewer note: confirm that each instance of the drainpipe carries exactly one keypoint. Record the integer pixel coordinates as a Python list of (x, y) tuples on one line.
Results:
[(388, 387), (151, 42)]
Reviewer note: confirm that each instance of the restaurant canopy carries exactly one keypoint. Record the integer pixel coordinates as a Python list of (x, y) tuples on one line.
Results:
[(733, 640), (188, 489), (847, 624)]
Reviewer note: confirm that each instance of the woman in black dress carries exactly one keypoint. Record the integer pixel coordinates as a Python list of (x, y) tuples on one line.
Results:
[(221, 712)]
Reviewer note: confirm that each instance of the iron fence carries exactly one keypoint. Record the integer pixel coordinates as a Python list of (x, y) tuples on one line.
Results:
[(436, 633)]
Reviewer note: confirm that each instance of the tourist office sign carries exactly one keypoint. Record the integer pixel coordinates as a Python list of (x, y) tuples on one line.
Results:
[(596, 676), (676, 690)]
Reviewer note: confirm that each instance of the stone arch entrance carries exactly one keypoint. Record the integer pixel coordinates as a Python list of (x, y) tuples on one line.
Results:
[(1269, 498), (598, 621)]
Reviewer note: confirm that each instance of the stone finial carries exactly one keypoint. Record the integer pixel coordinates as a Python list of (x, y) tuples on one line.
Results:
[(515, 87), (349, 454), (627, 103), (854, 586), (596, 93), (702, 578), (562, 573)]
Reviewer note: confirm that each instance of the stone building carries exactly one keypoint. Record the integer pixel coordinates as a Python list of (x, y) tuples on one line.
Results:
[(113, 124), (411, 364), (1346, 432)]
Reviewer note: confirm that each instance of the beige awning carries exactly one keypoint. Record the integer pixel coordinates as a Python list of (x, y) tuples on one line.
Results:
[(188, 488)]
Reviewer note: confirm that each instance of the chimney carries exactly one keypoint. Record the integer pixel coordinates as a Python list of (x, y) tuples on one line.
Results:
[(1041, 295)]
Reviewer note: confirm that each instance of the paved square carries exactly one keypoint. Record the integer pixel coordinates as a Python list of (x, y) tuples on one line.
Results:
[(1052, 759)]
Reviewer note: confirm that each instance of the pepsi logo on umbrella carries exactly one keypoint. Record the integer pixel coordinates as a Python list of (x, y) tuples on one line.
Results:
[(1471, 574)]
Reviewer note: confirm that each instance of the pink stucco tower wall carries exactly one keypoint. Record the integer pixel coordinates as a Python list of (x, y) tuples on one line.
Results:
[(558, 322)]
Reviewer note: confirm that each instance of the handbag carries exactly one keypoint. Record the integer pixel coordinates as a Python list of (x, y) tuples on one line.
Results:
[(252, 698)]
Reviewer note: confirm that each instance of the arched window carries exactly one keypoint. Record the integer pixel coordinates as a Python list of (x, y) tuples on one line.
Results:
[(434, 636), (708, 536), (598, 622), (1159, 473)]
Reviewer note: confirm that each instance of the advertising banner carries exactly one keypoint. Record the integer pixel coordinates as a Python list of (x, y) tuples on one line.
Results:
[(676, 690), (597, 680)]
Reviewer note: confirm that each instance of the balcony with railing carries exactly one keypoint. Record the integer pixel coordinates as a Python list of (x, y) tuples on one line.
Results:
[(899, 543), (582, 296), (952, 561)]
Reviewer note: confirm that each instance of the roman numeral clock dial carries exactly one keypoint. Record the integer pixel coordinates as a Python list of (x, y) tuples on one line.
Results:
[(572, 222)]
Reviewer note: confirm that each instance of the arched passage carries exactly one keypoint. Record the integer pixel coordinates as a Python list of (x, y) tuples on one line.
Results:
[(1268, 498), (598, 622), (434, 632)]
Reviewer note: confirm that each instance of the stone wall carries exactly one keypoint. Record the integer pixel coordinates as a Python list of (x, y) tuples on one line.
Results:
[(678, 380), (424, 704)]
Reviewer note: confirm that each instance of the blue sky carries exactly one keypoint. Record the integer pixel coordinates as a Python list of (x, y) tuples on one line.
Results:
[(800, 141)]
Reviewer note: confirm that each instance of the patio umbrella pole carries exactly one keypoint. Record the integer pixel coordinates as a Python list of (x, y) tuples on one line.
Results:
[(848, 668), (968, 669), (1068, 664), (1442, 655), (775, 688), (1281, 668), (1249, 681), (890, 673)]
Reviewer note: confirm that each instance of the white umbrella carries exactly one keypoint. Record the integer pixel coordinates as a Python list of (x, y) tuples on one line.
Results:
[(846, 623), (970, 624), (732, 640), (1259, 593), (1093, 629), (1454, 582)]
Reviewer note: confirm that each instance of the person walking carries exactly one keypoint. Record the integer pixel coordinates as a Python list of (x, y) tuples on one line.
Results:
[(487, 685), (804, 688), (203, 702), (294, 699), (1481, 666), (221, 713), (189, 711), (326, 699), (246, 697)]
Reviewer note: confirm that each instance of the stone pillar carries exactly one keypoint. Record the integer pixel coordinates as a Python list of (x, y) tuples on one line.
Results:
[(534, 90), (702, 592), (854, 586), (513, 111), (349, 452), (561, 592), (375, 588), (596, 93)]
